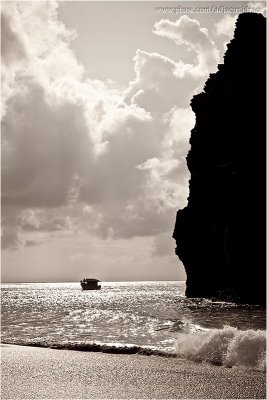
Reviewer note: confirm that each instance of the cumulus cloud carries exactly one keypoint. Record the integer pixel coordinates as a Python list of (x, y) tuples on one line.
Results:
[(34, 43), (226, 25), (189, 32), (258, 6), (181, 121), (12, 48), (44, 145), (81, 154), (44, 133), (161, 83)]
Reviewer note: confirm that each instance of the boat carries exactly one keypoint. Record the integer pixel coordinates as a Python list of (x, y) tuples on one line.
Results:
[(90, 284)]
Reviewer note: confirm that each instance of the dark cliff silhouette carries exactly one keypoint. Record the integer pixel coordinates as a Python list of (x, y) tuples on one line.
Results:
[(220, 235)]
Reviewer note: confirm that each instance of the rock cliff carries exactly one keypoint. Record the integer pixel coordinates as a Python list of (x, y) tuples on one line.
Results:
[(220, 235)]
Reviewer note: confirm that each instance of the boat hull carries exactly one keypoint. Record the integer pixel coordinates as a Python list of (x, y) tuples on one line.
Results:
[(85, 287)]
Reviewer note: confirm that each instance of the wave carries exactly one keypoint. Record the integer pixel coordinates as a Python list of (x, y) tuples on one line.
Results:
[(186, 326), (228, 346), (95, 347)]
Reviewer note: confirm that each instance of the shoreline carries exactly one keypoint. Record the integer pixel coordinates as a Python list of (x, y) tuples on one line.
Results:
[(44, 373), (99, 348)]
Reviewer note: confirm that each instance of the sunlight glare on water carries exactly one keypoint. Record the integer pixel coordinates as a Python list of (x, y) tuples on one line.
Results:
[(140, 313)]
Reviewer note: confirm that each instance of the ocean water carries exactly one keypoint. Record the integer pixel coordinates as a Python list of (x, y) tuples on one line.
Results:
[(134, 317)]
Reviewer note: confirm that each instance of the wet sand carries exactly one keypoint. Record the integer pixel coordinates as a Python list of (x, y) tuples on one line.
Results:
[(38, 373)]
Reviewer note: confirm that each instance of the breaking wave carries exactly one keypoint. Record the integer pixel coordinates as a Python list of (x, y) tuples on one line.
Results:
[(228, 346), (95, 347), (145, 318)]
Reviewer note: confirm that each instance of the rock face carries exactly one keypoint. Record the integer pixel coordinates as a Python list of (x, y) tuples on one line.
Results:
[(220, 235)]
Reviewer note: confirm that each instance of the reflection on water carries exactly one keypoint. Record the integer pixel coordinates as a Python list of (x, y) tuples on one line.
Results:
[(141, 313)]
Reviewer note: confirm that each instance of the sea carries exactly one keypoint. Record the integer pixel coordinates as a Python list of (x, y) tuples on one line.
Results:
[(150, 318)]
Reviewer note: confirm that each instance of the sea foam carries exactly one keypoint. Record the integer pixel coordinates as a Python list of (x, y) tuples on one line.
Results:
[(228, 346)]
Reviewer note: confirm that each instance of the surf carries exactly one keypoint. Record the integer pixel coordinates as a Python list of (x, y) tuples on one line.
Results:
[(229, 346)]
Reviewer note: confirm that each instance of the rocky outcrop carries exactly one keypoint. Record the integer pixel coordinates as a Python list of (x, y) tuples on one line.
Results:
[(220, 235)]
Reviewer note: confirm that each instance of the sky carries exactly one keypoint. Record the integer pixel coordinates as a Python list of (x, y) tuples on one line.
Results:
[(95, 129)]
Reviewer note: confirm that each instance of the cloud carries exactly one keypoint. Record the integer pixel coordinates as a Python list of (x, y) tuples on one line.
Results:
[(163, 246), (188, 31), (30, 243), (226, 26), (44, 145), (13, 54), (38, 220), (181, 122), (161, 83), (141, 177), (10, 238), (155, 87), (12, 49), (258, 6), (84, 155), (40, 48)]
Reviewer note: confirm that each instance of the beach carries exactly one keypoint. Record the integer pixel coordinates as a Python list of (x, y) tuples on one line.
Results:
[(44, 373)]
